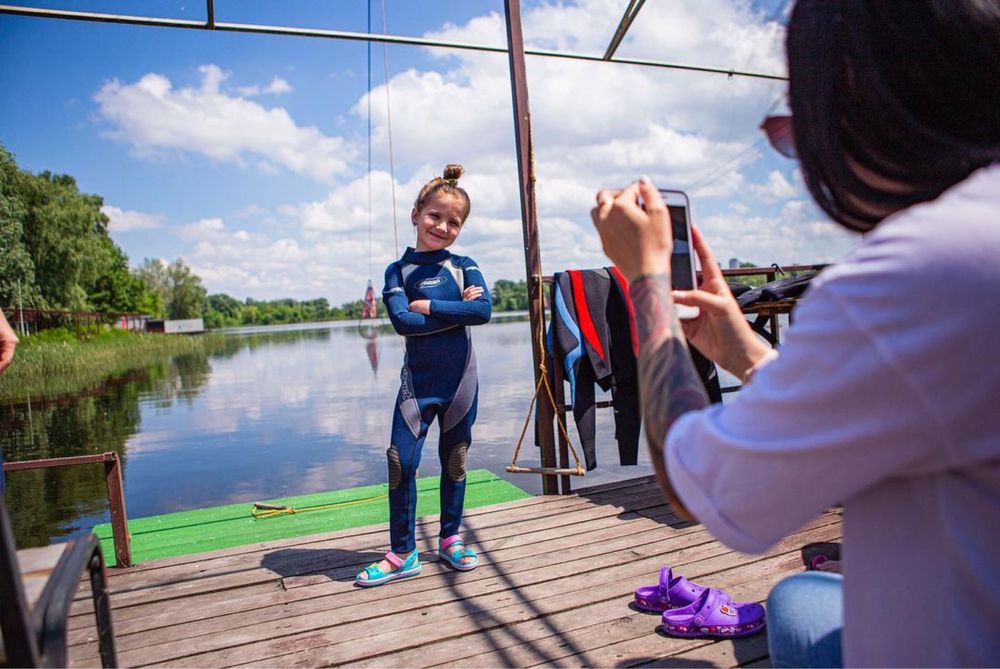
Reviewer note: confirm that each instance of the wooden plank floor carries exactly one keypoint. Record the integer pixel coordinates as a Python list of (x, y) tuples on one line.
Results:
[(553, 587)]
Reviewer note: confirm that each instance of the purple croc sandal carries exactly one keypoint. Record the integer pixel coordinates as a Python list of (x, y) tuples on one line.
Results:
[(714, 615), (672, 592)]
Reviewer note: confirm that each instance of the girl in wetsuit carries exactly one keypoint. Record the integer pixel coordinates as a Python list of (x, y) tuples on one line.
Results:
[(432, 296)]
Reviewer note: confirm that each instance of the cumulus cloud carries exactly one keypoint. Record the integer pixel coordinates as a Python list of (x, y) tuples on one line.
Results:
[(127, 221), (776, 188), (154, 117), (594, 125), (278, 86)]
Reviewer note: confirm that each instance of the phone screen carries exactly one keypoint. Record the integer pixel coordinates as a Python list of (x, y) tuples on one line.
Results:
[(681, 269)]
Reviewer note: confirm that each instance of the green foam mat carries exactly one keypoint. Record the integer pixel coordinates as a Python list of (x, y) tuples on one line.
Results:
[(218, 527)]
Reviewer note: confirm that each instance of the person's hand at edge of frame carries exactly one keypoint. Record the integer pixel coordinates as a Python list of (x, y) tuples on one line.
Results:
[(636, 238), (720, 331), (8, 342)]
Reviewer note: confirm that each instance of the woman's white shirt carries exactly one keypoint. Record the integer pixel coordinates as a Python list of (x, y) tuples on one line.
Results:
[(886, 398)]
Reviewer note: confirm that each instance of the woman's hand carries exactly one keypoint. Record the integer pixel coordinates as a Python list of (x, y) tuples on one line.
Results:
[(421, 307), (8, 342), (637, 240), (472, 293), (720, 331)]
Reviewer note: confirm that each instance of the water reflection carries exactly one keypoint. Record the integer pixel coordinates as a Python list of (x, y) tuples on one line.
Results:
[(274, 412)]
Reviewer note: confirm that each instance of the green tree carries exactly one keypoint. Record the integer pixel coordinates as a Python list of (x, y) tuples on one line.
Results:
[(17, 271), (509, 295), (187, 294)]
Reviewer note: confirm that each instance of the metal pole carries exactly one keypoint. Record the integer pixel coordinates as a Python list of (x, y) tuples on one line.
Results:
[(529, 229)]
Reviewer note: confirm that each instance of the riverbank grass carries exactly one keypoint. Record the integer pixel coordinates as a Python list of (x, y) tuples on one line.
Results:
[(60, 361)]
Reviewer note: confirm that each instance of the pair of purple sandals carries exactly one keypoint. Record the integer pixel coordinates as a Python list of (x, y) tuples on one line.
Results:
[(691, 610)]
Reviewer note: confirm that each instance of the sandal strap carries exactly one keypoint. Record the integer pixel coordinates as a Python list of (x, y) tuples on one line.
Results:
[(373, 571), (453, 539), (394, 560)]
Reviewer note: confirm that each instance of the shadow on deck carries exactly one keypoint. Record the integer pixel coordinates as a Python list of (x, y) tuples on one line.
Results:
[(553, 587)]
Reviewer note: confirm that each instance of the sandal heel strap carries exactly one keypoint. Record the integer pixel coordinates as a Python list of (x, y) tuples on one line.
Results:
[(451, 540), (394, 559)]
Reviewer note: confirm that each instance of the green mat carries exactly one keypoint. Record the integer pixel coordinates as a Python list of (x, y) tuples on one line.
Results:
[(219, 527)]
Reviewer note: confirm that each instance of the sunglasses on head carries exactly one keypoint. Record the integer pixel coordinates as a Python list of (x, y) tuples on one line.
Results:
[(779, 133)]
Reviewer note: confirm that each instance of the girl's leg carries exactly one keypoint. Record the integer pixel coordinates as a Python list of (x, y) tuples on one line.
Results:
[(403, 458), (805, 618), (452, 450)]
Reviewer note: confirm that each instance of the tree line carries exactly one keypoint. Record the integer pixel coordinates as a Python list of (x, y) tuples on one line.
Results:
[(56, 253)]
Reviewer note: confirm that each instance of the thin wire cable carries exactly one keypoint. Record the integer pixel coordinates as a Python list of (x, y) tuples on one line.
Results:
[(369, 142), (388, 125)]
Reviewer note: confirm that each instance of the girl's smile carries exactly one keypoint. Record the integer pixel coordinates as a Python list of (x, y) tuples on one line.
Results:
[(438, 222)]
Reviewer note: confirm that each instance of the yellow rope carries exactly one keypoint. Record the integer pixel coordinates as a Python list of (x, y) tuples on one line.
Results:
[(261, 511), (543, 380)]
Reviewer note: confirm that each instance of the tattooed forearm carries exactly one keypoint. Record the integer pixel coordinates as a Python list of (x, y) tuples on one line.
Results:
[(668, 383)]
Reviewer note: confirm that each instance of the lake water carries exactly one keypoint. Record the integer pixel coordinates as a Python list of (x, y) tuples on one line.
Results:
[(280, 411)]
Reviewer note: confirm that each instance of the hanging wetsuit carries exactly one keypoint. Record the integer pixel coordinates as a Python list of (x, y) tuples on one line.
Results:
[(592, 338), (438, 380)]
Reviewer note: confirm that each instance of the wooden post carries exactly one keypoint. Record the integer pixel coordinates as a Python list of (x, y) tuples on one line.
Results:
[(529, 229), (119, 519)]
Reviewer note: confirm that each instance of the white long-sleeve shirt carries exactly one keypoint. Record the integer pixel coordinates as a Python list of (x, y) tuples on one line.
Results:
[(885, 398)]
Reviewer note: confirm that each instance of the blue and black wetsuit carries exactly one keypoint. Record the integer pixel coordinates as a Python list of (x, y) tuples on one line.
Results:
[(438, 380)]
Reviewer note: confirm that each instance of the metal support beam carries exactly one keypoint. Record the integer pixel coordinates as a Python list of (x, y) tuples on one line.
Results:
[(627, 18), (529, 228), (253, 28)]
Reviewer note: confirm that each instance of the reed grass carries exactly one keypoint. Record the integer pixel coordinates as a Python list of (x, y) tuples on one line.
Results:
[(60, 362)]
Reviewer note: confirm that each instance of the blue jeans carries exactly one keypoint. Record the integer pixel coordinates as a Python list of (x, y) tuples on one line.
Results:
[(805, 620)]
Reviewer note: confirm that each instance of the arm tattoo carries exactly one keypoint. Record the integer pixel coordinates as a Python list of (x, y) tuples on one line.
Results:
[(668, 382)]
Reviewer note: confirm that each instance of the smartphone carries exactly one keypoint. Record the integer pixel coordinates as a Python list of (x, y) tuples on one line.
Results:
[(683, 261)]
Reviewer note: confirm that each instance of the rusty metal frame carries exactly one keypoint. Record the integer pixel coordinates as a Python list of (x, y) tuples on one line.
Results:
[(116, 494), (627, 18), (211, 24)]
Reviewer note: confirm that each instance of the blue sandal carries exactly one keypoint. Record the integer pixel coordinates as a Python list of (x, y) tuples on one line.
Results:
[(454, 558), (403, 569)]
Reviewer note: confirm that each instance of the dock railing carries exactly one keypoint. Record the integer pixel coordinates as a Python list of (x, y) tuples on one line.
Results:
[(116, 493)]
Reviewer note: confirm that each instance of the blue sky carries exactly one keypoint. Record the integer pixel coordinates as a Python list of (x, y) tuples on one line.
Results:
[(246, 155)]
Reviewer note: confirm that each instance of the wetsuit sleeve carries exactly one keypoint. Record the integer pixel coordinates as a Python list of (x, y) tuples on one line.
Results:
[(406, 322), (466, 312)]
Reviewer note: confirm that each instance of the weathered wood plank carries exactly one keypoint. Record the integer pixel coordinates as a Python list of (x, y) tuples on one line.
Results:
[(292, 602), (262, 608), (353, 603), (189, 608), (348, 552), (330, 640)]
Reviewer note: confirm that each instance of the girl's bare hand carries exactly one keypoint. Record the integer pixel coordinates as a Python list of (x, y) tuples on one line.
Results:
[(421, 307), (472, 293)]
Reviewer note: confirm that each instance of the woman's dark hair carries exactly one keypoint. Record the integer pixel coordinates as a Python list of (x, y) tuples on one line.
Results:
[(892, 102), (446, 184)]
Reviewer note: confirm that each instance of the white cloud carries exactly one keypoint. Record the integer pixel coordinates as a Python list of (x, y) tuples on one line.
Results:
[(278, 86), (127, 221), (776, 188), (154, 117), (594, 125)]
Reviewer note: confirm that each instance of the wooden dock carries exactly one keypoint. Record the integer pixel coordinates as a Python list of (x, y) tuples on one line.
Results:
[(553, 587)]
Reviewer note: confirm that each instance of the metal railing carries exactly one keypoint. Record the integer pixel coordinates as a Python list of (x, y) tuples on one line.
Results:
[(116, 493)]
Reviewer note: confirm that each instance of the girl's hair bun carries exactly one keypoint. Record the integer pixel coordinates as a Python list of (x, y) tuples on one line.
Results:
[(452, 173)]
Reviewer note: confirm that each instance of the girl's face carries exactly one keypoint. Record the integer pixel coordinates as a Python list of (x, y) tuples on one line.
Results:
[(438, 222)]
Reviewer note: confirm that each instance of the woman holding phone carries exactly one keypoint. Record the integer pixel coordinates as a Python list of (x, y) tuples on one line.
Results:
[(883, 395)]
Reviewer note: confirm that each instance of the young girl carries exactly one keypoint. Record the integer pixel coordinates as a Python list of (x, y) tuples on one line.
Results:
[(432, 296)]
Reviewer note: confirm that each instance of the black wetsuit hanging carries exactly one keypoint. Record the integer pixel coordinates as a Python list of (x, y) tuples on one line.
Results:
[(592, 335)]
